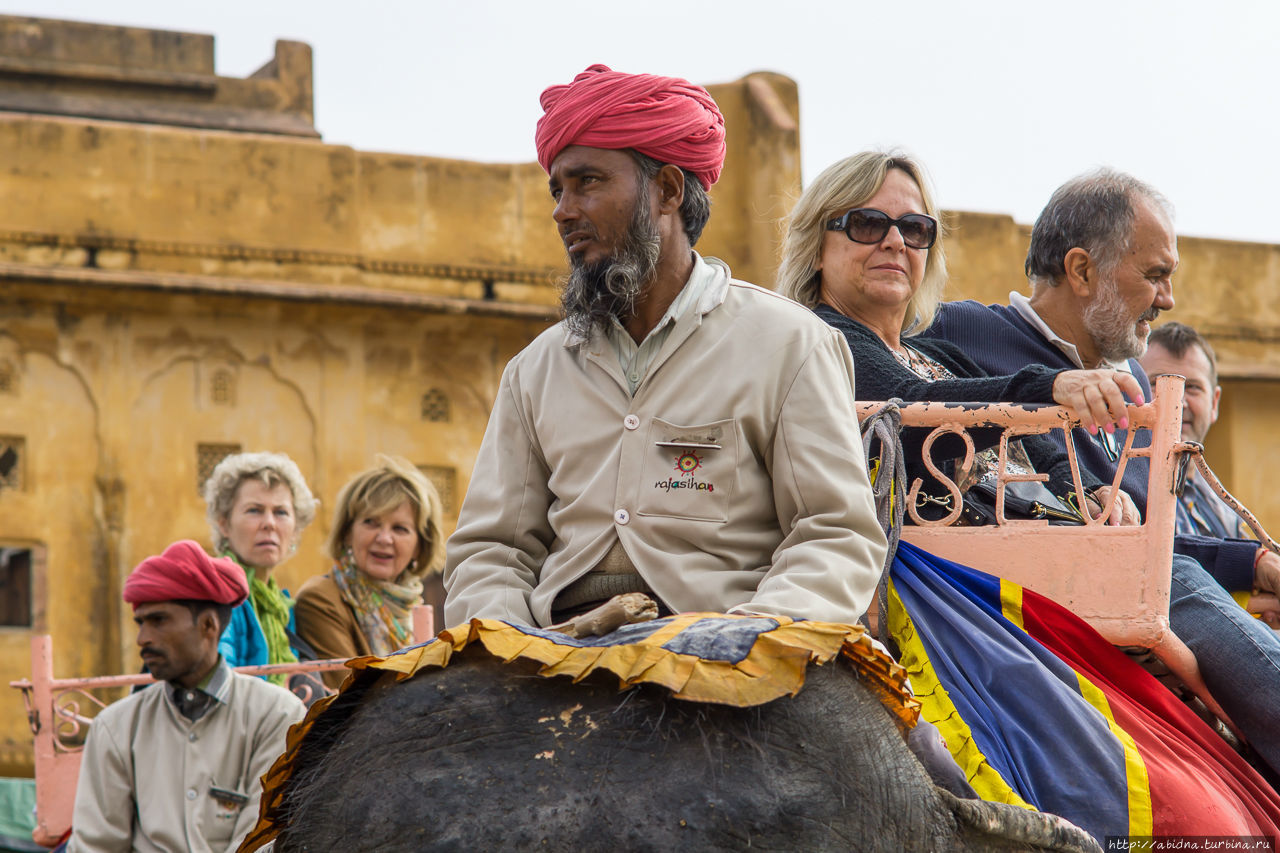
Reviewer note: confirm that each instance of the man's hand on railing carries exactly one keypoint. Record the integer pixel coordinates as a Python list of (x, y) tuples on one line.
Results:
[(1123, 514), (1097, 396), (1266, 572)]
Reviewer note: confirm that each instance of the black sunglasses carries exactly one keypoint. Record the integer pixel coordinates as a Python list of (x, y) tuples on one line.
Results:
[(868, 225)]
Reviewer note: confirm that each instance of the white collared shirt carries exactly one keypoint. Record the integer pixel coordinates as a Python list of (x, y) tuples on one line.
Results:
[(634, 359)]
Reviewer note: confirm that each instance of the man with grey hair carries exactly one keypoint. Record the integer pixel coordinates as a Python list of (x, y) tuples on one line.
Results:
[(1101, 262)]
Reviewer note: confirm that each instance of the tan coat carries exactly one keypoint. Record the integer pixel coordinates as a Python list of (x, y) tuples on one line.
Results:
[(327, 623), (147, 771), (734, 478)]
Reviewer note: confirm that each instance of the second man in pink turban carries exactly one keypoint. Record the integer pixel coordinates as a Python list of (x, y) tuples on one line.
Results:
[(176, 766)]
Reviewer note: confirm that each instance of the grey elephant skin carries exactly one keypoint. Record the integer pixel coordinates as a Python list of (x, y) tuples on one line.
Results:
[(489, 756)]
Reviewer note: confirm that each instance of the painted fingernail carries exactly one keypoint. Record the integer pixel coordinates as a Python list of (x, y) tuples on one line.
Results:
[(1123, 423)]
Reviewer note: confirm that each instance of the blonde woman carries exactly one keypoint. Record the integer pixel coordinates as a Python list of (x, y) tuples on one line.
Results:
[(384, 542)]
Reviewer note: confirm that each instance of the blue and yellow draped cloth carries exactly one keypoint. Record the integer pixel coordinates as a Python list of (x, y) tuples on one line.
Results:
[(740, 661), (1041, 711)]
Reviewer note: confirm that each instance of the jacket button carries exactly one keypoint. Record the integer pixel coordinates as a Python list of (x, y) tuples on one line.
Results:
[(622, 516), (193, 737), (631, 422), (191, 794)]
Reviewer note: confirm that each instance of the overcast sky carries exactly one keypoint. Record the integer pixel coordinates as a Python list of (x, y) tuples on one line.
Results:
[(1002, 100)]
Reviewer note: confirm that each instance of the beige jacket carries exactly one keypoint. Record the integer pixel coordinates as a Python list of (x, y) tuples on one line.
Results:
[(734, 478), (147, 772)]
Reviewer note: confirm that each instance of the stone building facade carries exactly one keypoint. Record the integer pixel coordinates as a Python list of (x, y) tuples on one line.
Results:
[(187, 269)]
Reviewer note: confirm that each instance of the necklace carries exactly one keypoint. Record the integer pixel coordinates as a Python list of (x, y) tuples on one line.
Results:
[(904, 356)]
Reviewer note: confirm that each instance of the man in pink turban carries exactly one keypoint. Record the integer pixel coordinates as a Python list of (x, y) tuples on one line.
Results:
[(176, 766), (680, 434)]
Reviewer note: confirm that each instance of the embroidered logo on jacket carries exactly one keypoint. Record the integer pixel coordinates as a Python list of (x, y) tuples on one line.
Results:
[(672, 483), (686, 463)]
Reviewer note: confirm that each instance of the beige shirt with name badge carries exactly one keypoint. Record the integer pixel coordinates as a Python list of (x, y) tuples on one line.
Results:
[(153, 781)]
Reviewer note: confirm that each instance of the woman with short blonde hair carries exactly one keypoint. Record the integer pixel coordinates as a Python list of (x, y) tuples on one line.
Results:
[(385, 540)]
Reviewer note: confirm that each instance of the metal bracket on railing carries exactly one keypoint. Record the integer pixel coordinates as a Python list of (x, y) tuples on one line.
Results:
[(1184, 451), (1193, 450), (33, 715)]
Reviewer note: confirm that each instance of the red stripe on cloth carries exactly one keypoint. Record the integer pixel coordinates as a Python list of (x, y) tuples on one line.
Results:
[(1199, 785)]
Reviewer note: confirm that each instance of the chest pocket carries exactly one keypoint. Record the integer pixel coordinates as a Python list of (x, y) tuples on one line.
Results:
[(222, 810), (689, 471)]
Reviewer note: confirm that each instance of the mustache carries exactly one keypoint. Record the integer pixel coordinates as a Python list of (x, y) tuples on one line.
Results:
[(578, 261), (1150, 314)]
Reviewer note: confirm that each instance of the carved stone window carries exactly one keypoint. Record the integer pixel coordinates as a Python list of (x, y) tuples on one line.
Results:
[(445, 479), (13, 460), (435, 406), (8, 377), (15, 587), (207, 458), (222, 388)]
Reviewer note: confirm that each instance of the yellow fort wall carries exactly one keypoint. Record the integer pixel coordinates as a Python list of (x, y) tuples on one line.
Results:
[(179, 274)]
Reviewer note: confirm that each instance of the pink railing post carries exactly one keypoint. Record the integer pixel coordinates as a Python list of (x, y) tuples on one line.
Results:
[(56, 771), (1162, 503), (424, 623)]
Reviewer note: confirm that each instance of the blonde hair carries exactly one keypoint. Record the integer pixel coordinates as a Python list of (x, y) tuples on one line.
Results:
[(842, 186), (379, 491), (271, 469)]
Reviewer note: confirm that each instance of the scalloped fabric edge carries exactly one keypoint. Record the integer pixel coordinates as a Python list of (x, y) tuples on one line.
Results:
[(774, 667)]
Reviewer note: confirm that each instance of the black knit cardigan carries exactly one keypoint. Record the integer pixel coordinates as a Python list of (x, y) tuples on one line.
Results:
[(878, 375)]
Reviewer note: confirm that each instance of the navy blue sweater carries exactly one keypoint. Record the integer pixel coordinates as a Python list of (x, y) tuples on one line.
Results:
[(1001, 341)]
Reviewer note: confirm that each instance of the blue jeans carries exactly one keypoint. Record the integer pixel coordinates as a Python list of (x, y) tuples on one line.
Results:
[(1239, 656)]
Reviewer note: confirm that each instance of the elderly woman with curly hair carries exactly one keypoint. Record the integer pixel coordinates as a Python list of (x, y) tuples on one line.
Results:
[(258, 506), (385, 541)]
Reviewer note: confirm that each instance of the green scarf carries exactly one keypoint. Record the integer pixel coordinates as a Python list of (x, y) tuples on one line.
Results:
[(272, 607)]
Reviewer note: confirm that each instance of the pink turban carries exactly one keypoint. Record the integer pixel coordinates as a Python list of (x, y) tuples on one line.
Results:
[(184, 570), (666, 118)]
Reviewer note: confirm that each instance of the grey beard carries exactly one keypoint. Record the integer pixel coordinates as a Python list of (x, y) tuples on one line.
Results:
[(1104, 320), (609, 288)]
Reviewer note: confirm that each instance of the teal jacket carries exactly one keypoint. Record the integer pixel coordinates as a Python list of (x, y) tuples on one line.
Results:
[(243, 643)]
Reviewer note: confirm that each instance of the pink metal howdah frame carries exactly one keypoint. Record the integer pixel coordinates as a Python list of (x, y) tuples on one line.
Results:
[(1115, 578), (54, 710)]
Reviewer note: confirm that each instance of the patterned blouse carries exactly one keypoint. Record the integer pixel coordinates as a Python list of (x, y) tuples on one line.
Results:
[(984, 461)]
